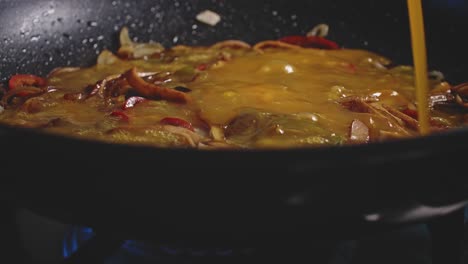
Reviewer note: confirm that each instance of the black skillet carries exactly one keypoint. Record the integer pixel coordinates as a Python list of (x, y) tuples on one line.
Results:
[(225, 196)]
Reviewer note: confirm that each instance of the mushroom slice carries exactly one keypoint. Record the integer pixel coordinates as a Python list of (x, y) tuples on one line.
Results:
[(359, 132)]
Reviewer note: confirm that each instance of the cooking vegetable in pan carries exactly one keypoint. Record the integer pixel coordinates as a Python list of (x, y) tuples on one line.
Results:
[(298, 91)]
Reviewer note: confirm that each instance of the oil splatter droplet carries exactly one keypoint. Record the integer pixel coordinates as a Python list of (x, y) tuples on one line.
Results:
[(35, 38)]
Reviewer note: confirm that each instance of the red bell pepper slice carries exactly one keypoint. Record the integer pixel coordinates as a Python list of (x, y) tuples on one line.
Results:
[(311, 42), (174, 121), (410, 112), (20, 80)]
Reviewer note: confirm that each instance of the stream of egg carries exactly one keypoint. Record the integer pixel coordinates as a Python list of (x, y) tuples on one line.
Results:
[(420, 62)]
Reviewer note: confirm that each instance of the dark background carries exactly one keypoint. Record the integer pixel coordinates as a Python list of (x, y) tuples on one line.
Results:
[(39, 35)]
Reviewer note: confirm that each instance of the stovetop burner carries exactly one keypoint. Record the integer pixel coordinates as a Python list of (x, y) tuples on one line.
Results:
[(344, 252), (138, 252), (77, 236), (411, 245)]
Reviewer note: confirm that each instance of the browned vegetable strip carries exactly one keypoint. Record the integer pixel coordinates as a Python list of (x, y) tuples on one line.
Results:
[(153, 91), (409, 121), (358, 105), (112, 86), (385, 113)]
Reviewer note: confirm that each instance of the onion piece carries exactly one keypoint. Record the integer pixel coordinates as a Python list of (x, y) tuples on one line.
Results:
[(209, 17), (215, 145), (217, 133), (192, 138), (106, 58), (124, 37), (153, 91), (61, 70)]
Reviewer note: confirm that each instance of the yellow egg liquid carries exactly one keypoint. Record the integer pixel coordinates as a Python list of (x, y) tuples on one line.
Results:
[(276, 96), (420, 62)]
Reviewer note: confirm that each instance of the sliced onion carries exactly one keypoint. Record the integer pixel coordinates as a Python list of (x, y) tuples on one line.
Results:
[(192, 138), (234, 44), (124, 37), (215, 145), (142, 50), (209, 17), (388, 135), (273, 44), (321, 30), (131, 50), (106, 58), (28, 90), (61, 70)]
